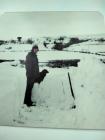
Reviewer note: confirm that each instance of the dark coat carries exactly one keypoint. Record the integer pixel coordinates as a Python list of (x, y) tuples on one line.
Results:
[(32, 67)]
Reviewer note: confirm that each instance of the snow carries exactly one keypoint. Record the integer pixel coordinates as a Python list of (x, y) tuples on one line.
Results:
[(46, 90), (53, 95)]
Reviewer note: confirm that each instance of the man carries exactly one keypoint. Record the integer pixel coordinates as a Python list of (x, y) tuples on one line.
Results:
[(32, 73)]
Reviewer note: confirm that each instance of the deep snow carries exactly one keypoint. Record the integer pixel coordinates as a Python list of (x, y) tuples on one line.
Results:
[(53, 95)]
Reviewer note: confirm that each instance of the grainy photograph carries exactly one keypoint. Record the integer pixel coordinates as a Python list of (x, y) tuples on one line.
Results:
[(52, 70)]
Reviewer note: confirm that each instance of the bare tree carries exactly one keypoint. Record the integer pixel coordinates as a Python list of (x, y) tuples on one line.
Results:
[(19, 38)]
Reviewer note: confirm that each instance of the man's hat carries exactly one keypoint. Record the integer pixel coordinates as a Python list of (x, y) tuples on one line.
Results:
[(35, 47)]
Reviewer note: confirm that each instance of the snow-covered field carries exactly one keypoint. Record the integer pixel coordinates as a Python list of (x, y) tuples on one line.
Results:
[(53, 96)]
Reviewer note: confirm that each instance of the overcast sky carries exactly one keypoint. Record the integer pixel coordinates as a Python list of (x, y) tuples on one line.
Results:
[(32, 24)]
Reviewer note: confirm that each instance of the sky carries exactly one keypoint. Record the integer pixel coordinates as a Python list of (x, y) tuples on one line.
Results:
[(32, 24)]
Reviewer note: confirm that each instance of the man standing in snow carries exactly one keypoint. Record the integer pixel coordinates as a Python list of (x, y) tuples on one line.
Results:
[(32, 73)]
